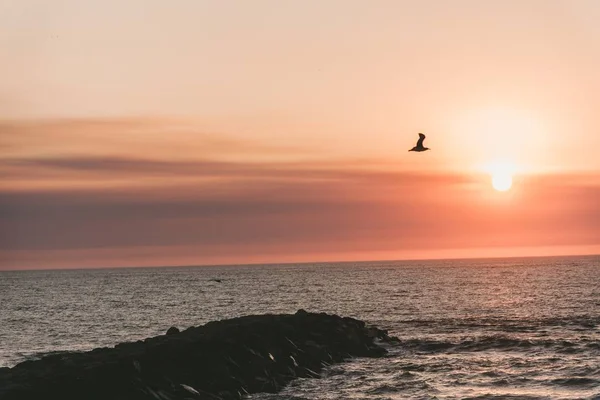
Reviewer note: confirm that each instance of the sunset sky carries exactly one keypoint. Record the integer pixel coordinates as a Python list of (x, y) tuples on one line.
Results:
[(196, 132)]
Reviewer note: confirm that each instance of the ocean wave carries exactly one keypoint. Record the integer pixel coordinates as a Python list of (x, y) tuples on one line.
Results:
[(580, 322), (385, 389), (576, 381), (489, 396), (498, 343)]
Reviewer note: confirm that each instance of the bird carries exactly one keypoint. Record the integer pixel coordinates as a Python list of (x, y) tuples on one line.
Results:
[(419, 146)]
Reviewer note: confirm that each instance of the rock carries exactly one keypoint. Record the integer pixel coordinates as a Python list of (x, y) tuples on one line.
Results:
[(224, 358), (172, 330)]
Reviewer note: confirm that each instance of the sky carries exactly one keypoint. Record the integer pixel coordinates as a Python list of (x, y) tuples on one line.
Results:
[(214, 132)]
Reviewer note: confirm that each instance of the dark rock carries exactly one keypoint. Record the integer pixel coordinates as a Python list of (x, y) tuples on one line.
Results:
[(223, 359), (172, 330)]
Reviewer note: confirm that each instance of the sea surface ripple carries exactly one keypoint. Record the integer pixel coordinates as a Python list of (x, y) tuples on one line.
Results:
[(469, 329)]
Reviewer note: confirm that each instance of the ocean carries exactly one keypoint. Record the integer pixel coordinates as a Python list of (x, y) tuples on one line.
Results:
[(524, 328)]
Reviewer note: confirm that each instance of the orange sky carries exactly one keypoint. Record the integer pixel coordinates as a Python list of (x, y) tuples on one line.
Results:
[(150, 133)]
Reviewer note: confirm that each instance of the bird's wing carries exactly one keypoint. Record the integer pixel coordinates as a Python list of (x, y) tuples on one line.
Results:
[(421, 139)]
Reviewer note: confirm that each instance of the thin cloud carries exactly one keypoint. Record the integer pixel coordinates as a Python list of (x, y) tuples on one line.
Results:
[(347, 214), (64, 171), (126, 136), (100, 195)]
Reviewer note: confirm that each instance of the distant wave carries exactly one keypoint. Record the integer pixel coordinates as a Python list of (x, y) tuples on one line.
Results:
[(576, 382), (508, 324), (499, 343), (501, 397)]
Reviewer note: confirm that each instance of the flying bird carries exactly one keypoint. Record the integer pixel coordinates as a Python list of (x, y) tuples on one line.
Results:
[(419, 146)]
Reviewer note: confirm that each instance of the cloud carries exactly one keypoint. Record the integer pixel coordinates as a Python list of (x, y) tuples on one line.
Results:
[(126, 137), (290, 209), (140, 165), (123, 186), (248, 203)]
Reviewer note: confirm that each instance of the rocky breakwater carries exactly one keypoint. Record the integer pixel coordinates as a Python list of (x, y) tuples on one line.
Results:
[(219, 360)]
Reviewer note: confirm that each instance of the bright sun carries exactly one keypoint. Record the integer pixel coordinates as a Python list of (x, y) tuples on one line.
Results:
[(502, 172), (501, 181)]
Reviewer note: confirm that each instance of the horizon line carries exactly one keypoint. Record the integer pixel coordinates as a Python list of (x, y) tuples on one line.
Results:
[(287, 263)]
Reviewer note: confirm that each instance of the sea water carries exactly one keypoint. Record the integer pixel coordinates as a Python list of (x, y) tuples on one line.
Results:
[(488, 329)]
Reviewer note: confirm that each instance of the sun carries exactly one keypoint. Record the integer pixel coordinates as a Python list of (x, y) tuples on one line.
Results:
[(501, 172), (502, 181)]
